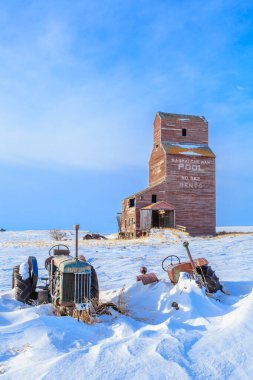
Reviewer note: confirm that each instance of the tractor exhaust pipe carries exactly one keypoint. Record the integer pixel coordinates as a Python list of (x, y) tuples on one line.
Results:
[(76, 227)]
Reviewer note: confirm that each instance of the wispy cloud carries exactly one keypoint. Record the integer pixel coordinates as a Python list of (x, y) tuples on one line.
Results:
[(81, 84)]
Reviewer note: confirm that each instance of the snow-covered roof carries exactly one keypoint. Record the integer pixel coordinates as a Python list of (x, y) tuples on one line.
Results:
[(188, 149), (181, 117)]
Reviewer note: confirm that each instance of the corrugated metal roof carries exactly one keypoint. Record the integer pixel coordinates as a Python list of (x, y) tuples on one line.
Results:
[(188, 149), (181, 117), (162, 205)]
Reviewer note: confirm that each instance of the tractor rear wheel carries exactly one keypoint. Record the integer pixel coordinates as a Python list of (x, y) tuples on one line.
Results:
[(15, 270), (25, 288), (210, 279)]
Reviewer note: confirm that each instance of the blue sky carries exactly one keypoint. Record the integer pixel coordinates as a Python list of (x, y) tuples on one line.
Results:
[(80, 85)]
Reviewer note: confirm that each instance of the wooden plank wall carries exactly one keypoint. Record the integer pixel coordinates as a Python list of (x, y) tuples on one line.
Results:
[(190, 186), (197, 131)]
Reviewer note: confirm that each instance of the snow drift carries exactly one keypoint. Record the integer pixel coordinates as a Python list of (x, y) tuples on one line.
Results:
[(203, 339)]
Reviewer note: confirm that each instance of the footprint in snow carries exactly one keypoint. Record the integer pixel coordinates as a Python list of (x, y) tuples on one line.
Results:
[(3, 369)]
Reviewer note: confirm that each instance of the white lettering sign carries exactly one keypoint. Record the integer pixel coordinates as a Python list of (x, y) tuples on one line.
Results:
[(190, 161), (190, 167), (191, 170)]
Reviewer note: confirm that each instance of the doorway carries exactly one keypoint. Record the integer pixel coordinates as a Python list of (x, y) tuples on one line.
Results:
[(163, 218)]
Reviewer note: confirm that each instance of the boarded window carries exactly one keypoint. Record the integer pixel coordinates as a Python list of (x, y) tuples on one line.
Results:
[(184, 132), (153, 198)]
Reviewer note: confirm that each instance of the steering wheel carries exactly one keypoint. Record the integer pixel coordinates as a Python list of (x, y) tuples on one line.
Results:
[(58, 247), (170, 257)]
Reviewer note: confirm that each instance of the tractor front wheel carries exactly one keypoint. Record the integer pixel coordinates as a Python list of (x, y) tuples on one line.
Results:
[(94, 287)]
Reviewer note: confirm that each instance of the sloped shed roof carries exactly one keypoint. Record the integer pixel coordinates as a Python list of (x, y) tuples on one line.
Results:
[(140, 192), (188, 149), (162, 205)]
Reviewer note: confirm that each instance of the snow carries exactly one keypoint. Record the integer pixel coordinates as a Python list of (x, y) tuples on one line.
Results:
[(187, 146), (190, 153), (24, 270), (230, 229), (204, 339)]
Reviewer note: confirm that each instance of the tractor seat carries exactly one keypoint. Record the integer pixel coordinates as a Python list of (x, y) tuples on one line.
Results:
[(60, 252)]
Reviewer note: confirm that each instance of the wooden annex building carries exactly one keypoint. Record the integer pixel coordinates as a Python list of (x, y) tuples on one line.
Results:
[(181, 189)]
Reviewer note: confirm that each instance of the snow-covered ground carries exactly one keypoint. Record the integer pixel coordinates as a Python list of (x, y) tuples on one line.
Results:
[(204, 339)]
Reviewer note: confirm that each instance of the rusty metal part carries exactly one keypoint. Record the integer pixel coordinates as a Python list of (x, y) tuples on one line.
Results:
[(61, 252), (186, 245), (48, 261), (175, 305), (147, 278), (175, 270), (94, 236), (82, 258), (143, 270), (43, 296), (103, 308), (58, 251), (171, 259), (51, 276)]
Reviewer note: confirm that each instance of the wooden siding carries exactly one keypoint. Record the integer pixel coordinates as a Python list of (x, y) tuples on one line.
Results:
[(157, 165), (190, 187), (142, 199), (128, 223), (157, 130), (145, 219), (196, 132)]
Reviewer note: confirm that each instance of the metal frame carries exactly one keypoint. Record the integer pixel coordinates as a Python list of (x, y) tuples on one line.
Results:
[(82, 283)]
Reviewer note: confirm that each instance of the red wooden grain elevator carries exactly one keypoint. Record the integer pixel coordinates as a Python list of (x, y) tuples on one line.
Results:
[(181, 189)]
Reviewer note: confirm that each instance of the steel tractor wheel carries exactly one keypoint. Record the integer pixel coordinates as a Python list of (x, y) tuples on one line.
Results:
[(15, 272), (211, 281), (25, 288)]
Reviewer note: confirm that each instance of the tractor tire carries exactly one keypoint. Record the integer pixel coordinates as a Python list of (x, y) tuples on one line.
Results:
[(25, 288), (33, 269), (210, 278), (48, 262), (14, 271), (94, 285)]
